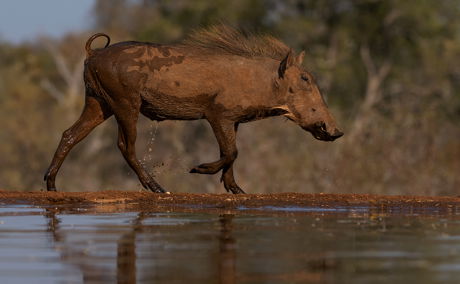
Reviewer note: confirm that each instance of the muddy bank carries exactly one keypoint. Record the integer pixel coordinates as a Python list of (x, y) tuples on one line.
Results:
[(124, 200)]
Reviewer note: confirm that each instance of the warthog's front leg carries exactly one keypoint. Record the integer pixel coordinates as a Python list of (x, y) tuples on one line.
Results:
[(225, 132), (229, 180)]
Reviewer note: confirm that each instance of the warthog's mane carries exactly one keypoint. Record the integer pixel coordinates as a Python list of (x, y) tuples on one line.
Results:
[(223, 39)]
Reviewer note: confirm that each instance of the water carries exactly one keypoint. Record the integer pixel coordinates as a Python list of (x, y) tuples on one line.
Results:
[(273, 245)]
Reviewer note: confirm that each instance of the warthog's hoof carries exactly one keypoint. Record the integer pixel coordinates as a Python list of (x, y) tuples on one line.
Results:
[(207, 169), (235, 190), (154, 187)]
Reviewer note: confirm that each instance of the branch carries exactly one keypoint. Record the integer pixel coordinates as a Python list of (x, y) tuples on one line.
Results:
[(375, 77), (52, 90), (391, 17), (367, 60), (74, 84), (71, 76), (60, 62)]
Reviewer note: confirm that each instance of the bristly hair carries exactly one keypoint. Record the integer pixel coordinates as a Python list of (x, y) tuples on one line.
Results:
[(224, 39)]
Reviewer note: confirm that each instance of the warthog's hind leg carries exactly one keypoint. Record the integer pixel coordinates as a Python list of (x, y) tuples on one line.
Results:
[(94, 113), (225, 132), (126, 142), (127, 116)]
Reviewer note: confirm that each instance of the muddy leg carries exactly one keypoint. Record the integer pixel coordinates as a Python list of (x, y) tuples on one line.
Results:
[(227, 176), (225, 132), (229, 180), (127, 134), (94, 113)]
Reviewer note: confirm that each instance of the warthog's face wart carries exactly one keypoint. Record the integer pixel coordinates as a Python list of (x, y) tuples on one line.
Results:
[(304, 103)]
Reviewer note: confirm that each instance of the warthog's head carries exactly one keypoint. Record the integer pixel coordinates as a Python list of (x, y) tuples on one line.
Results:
[(303, 102)]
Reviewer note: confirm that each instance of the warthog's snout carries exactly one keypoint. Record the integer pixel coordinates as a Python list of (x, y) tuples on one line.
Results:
[(319, 131), (337, 134)]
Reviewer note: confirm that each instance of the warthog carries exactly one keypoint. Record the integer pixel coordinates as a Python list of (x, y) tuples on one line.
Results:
[(218, 74)]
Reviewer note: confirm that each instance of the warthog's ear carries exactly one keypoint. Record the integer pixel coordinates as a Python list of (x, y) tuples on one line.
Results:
[(287, 62), (300, 57)]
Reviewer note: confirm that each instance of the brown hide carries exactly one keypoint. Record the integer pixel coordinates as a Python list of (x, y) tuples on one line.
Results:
[(175, 84), (223, 84)]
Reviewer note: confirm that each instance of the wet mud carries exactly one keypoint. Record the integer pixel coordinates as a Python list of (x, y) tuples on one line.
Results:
[(120, 201)]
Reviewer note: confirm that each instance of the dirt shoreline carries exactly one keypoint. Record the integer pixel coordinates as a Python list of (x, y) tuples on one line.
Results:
[(128, 201)]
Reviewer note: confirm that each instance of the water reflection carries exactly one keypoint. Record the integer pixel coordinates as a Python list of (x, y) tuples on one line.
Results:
[(73, 255), (53, 223), (126, 256), (227, 250), (301, 246), (126, 252)]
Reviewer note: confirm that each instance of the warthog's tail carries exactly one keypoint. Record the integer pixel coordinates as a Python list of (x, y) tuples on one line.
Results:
[(90, 40)]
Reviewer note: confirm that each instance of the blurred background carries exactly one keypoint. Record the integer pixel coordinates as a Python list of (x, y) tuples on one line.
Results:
[(389, 70)]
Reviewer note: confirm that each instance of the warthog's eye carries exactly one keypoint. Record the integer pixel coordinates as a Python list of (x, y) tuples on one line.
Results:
[(304, 77)]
